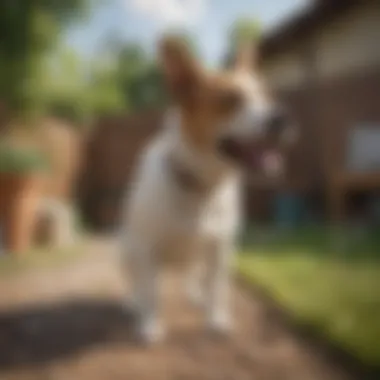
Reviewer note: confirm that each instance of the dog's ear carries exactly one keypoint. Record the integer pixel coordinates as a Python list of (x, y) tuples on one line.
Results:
[(247, 56), (181, 69)]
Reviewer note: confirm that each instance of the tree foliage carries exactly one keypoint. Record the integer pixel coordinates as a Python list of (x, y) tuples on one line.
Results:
[(243, 31), (39, 74), (125, 79), (140, 78), (30, 28)]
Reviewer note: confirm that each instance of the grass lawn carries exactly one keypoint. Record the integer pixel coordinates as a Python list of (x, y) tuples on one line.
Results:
[(337, 293)]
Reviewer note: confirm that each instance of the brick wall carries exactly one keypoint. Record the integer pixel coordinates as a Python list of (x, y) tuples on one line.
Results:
[(325, 112), (110, 155)]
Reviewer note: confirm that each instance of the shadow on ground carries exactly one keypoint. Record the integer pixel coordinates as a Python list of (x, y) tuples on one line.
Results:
[(46, 333)]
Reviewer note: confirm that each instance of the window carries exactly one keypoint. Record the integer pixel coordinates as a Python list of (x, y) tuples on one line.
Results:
[(363, 153)]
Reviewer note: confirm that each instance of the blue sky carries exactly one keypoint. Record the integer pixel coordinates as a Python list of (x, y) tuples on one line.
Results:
[(207, 20)]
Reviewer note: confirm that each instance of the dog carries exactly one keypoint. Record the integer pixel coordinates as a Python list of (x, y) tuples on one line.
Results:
[(184, 203)]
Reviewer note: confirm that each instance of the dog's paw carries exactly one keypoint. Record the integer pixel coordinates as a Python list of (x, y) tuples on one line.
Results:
[(150, 332)]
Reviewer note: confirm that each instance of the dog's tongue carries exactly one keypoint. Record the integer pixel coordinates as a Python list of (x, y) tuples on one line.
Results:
[(272, 162), (254, 158), (269, 160)]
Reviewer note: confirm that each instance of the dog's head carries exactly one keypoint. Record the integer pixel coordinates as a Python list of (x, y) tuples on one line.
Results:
[(225, 113)]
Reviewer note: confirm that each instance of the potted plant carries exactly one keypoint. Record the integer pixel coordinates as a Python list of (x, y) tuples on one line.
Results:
[(21, 181)]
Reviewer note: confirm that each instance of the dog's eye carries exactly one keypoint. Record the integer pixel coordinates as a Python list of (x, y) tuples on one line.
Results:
[(229, 100)]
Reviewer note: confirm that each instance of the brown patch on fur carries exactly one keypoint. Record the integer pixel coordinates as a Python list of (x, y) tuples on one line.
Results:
[(216, 98), (181, 70), (205, 99)]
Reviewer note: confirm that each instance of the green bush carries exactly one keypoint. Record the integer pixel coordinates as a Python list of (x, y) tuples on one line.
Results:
[(21, 160)]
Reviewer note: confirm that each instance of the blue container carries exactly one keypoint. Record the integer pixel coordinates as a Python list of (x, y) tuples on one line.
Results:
[(375, 210), (289, 209)]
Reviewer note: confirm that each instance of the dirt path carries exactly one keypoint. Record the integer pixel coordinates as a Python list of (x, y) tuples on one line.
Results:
[(68, 323)]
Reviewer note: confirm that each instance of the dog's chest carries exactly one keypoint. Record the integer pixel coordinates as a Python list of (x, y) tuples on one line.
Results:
[(172, 220), (186, 226), (188, 218)]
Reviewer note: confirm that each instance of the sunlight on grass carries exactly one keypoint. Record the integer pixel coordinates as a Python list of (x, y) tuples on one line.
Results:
[(338, 295)]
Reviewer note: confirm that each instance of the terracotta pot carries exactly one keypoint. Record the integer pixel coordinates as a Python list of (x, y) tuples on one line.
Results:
[(19, 199)]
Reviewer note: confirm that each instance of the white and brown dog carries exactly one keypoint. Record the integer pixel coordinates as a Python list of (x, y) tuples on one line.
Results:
[(184, 203)]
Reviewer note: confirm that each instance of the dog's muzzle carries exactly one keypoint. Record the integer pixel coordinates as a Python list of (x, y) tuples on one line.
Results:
[(252, 150)]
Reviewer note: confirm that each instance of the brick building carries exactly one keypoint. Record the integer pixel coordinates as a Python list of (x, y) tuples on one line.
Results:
[(111, 152), (324, 62)]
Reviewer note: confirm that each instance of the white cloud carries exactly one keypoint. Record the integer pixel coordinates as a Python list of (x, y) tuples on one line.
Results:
[(170, 13)]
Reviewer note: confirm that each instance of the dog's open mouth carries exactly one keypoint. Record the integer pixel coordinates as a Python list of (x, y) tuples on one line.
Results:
[(254, 157), (270, 160)]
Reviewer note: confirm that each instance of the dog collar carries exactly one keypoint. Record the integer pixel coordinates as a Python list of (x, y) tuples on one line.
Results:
[(185, 177)]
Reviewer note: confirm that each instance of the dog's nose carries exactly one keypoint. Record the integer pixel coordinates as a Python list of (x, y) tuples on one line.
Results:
[(229, 147), (277, 123), (280, 126)]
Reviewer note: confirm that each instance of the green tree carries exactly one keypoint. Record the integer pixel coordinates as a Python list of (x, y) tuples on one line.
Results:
[(104, 89), (63, 86), (243, 31), (141, 79), (141, 76), (122, 78), (78, 91), (30, 28)]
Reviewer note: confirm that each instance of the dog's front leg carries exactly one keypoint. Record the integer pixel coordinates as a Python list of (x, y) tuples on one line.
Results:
[(144, 284), (218, 313), (196, 276)]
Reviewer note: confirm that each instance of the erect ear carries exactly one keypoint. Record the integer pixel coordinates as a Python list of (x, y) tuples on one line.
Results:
[(246, 56), (181, 69)]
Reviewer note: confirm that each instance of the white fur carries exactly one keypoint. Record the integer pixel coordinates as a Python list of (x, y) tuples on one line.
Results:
[(257, 107), (165, 221)]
